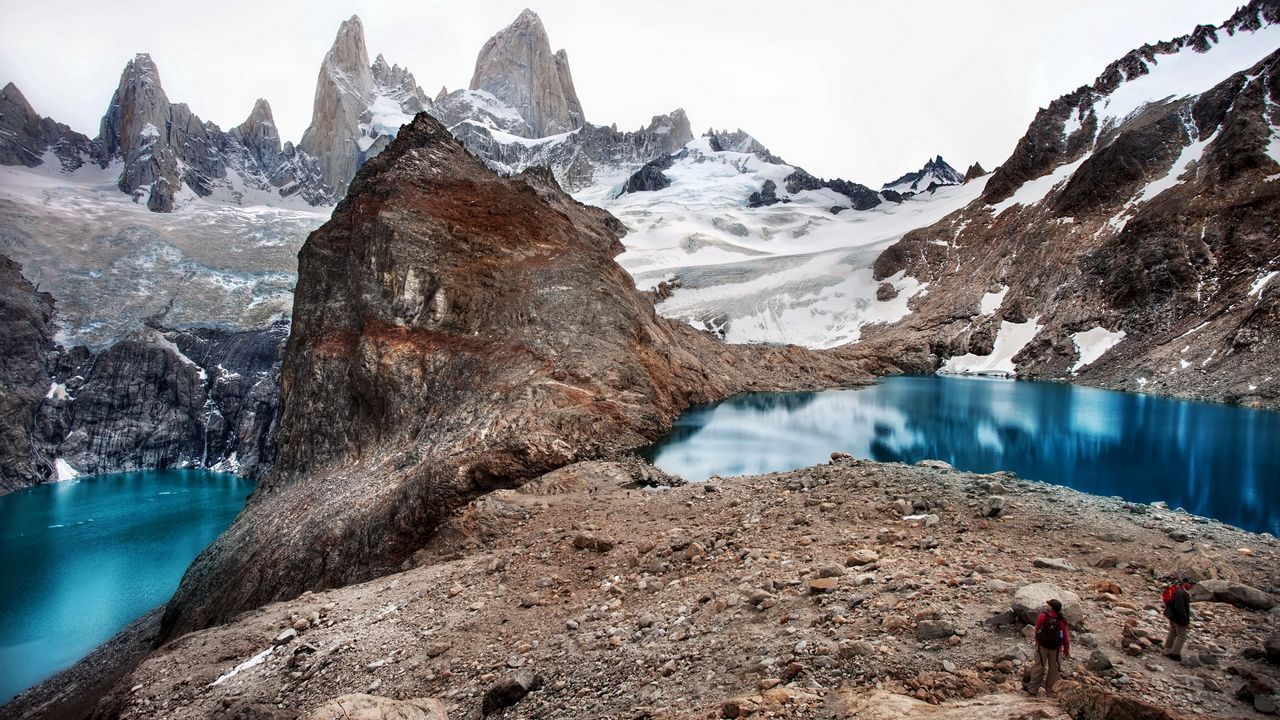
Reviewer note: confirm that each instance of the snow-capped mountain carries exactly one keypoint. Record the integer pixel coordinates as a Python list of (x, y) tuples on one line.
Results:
[(1129, 241), (521, 110), (936, 173)]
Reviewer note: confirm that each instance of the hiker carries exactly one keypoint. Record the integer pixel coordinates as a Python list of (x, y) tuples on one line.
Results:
[(1052, 638), (1177, 608)]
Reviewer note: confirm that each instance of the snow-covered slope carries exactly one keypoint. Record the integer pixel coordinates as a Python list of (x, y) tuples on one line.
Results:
[(112, 265), (792, 271)]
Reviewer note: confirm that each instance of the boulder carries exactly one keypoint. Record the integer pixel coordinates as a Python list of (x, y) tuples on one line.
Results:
[(934, 629), (1029, 601), (1271, 646), (1099, 661), (993, 506), (862, 556), (509, 690), (1232, 593)]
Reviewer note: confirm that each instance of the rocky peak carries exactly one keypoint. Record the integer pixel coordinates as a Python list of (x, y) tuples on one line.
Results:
[(934, 174), (975, 171), (740, 141), (348, 59), (398, 84), (344, 89), (674, 126), (259, 135), (358, 107), (139, 109), (21, 132), (517, 67)]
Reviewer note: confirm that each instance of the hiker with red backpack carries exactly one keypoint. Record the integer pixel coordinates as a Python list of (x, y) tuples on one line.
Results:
[(1052, 638), (1177, 609)]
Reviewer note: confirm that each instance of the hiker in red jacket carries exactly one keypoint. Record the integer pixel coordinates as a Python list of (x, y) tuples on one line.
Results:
[(1052, 638), (1177, 608)]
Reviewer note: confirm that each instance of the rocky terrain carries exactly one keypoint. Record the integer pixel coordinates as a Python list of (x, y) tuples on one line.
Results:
[(852, 589), (1130, 241), (455, 332)]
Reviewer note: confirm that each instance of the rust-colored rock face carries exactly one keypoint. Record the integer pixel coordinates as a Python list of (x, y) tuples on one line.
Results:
[(455, 332)]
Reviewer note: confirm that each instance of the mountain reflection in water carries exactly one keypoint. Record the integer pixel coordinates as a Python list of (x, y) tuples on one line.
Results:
[(1214, 460)]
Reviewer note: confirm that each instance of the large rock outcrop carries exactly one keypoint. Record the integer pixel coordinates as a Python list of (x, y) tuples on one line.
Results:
[(1137, 230), (455, 332), (517, 67)]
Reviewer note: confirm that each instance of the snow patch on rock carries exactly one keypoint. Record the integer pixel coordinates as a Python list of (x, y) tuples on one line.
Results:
[(1009, 342), (1093, 344)]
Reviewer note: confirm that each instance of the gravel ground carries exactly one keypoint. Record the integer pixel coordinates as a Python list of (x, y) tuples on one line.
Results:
[(799, 594)]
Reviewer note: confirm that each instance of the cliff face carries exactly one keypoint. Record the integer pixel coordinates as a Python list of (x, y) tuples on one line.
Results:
[(26, 324), (158, 399), (1130, 241), (455, 332), (518, 67)]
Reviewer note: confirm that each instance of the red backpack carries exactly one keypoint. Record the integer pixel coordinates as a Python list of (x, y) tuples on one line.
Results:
[(1167, 597)]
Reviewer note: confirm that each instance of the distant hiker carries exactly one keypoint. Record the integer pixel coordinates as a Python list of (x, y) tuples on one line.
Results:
[(1052, 638), (1177, 608)]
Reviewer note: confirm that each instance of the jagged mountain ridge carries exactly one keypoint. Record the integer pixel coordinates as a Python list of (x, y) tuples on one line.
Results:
[(521, 110), (934, 174), (1130, 240)]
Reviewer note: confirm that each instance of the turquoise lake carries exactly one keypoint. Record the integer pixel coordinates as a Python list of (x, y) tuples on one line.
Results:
[(81, 559), (1213, 460)]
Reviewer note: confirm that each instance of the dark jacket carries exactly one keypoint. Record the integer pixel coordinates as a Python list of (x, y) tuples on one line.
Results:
[(1178, 607)]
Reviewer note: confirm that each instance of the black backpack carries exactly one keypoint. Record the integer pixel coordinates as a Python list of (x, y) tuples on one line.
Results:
[(1049, 636)]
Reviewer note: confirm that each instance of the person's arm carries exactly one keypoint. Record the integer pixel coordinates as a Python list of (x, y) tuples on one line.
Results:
[(1036, 634), (1066, 640)]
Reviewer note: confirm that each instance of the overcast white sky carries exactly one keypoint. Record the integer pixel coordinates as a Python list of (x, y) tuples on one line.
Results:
[(861, 90)]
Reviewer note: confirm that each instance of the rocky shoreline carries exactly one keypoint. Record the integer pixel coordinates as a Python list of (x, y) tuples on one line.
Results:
[(845, 589)]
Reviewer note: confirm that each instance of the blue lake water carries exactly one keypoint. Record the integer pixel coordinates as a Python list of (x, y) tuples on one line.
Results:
[(79, 560), (1214, 460)]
